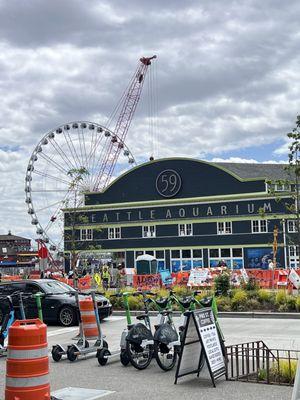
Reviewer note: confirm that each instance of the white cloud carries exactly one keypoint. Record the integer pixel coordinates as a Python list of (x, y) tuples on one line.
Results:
[(227, 78), (245, 160)]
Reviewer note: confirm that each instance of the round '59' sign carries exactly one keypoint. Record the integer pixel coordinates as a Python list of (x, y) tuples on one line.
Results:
[(168, 183)]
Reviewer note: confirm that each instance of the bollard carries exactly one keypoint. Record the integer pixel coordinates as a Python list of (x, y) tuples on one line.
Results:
[(27, 365)]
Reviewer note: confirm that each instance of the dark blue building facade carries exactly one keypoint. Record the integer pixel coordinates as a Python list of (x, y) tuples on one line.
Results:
[(188, 213)]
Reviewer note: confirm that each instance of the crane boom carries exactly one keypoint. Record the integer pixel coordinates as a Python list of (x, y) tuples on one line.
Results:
[(123, 123)]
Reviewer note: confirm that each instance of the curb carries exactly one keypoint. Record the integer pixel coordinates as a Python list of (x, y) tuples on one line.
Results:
[(227, 314)]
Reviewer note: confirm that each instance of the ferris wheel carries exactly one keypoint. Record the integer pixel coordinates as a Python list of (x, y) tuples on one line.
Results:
[(76, 158), (49, 181)]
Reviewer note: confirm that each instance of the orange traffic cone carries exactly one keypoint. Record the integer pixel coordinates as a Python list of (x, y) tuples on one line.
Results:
[(88, 318), (27, 365)]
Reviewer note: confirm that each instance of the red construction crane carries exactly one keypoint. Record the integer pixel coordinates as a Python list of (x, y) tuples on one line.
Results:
[(128, 108)]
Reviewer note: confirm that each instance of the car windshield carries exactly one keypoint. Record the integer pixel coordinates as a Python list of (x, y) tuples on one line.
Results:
[(56, 287)]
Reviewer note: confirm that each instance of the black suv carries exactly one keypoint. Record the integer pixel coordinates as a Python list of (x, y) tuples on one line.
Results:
[(59, 306)]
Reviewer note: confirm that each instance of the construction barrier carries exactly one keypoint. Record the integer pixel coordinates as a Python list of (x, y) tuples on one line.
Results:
[(88, 318), (27, 365)]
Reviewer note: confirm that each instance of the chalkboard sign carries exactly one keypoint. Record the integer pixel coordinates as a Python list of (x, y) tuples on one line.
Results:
[(200, 344)]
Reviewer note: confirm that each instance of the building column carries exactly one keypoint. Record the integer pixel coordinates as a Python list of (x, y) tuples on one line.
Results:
[(129, 259), (205, 257), (168, 260)]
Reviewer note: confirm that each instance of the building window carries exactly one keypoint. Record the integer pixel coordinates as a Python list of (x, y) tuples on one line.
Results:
[(231, 258), (149, 231), (224, 228), (114, 233), (185, 229), (184, 260), (294, 251), (294, 256), (292, 226), (86, 234), (259, 226)]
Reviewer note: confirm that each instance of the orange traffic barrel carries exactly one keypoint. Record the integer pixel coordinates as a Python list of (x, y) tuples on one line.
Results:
[(88, 318), (27, 365)]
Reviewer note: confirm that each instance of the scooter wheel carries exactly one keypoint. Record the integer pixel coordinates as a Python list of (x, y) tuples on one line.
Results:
[(56, 353), (105, 344), (71, 353), (124, 358), (102, 356)]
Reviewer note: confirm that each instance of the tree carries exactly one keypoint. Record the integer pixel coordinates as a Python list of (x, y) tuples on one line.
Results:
[(290, 185), (72, 219)]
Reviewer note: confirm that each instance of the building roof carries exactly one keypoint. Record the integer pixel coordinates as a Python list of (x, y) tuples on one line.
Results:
[(252, 171), (10, 237)]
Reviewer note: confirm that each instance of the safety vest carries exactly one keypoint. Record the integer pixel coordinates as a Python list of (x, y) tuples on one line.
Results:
[(106, 274)]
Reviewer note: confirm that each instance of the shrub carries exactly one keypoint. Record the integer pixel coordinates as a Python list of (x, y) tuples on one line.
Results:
[(262, 374), (135, 303), (297, 303), (223, 303), (239, 300), (253, 304), (251, 285), (222, 284), (280, 297), (264, 296), (285, 370), (291, 303), (181, 291), (283, 308)]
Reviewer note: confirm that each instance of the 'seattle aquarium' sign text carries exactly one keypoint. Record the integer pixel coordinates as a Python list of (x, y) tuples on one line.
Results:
[(191, 211)]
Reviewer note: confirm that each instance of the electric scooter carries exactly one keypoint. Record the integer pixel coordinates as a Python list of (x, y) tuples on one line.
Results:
[(76, 350), (103, 355), (59, 350), (9, 319)]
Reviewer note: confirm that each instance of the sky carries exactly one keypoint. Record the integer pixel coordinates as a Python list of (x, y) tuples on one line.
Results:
[(226, 79)]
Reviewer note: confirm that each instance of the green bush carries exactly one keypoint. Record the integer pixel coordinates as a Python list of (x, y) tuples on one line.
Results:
[(239, 300), (291, 303), (222, 284), (264, 296), (135, 303), (283, 307), (223, 303), (280, 297), (285, 370), (297, 303), (253, 305), (251, 285), (262, 374)]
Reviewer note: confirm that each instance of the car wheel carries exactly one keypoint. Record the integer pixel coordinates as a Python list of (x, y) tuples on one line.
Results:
[(66, 316)]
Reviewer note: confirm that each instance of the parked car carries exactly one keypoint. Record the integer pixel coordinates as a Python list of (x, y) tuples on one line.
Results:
[(58, 307)]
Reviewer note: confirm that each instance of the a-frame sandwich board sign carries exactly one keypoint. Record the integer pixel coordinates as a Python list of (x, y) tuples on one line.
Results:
[(200, 344)]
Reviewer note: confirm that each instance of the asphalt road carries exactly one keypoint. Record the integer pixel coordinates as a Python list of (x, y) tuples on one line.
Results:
[(128, 383)]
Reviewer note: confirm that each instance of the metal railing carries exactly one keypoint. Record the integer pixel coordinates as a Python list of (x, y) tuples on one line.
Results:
[(256, 362)]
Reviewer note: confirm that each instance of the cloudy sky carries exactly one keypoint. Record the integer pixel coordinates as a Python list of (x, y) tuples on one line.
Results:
[(226, 77)]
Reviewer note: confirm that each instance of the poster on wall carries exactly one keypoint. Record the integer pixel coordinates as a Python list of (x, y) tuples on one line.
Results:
[(237, 263), (259, 258)]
